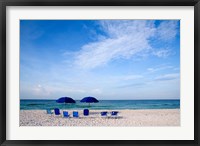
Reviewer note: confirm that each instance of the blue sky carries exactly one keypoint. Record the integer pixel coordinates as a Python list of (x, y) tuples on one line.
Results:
[(107, 59)]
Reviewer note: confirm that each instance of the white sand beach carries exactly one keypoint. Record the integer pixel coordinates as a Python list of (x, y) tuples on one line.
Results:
[(160, 117)]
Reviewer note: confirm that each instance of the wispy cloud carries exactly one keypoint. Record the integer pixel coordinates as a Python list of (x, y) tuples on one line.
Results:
[(131, 85), (96, 91), (163, 53), (167, 77), (167, 30), (132, 77), (121, 79), (124, 39), (40, 90), (100, 53), (159, 68)]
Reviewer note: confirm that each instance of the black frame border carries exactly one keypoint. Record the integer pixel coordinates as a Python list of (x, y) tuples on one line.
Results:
[(5, 3)]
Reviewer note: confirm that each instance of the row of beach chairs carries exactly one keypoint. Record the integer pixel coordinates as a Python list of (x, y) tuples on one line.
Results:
[(85, 113)]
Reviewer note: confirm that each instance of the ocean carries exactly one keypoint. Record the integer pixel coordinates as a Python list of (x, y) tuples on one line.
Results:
[(101, 105)]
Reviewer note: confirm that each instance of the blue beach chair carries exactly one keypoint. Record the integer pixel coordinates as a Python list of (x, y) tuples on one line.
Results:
[(104, 114), (65, 114), (114, 114), (57, 111), (85, 112), (75, 114), (49, 111)]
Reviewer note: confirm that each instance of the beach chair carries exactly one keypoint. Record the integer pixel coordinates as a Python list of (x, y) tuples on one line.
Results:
[(85, 112), (114, 114), (57, 111), (75, 114), (104, 114), (65, 114), (49, 112)]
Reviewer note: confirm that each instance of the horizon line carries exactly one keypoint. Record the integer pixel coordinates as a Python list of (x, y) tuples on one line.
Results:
[(110, 99)]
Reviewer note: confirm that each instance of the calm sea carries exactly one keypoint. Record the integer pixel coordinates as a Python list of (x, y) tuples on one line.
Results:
[(102, 105)]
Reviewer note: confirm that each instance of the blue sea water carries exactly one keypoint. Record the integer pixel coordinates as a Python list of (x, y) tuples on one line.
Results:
[(101, 105)]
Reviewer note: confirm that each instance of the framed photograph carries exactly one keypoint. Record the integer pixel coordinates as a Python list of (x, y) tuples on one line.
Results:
[(99, 72)]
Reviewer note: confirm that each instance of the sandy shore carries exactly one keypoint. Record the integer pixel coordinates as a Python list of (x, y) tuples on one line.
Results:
[(161, 117)]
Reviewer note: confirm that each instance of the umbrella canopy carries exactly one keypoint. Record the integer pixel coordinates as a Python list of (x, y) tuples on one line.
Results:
[(89, 100), (65, 100)]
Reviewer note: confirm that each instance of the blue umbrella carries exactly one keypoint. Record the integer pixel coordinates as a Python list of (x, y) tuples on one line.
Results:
[(65, 100), (89, 100)]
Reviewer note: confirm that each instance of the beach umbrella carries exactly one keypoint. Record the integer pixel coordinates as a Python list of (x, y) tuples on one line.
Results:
[(89, 100), (65, 100)]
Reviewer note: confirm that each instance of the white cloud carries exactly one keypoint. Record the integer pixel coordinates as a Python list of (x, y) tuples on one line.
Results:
[(167, 30), (163, 53), (158, 68), (40, 90), (96, 91), (117, 28), (124, 39), (168, 77), (48, 91), (131, 85), (99, 53), (130, 77)]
